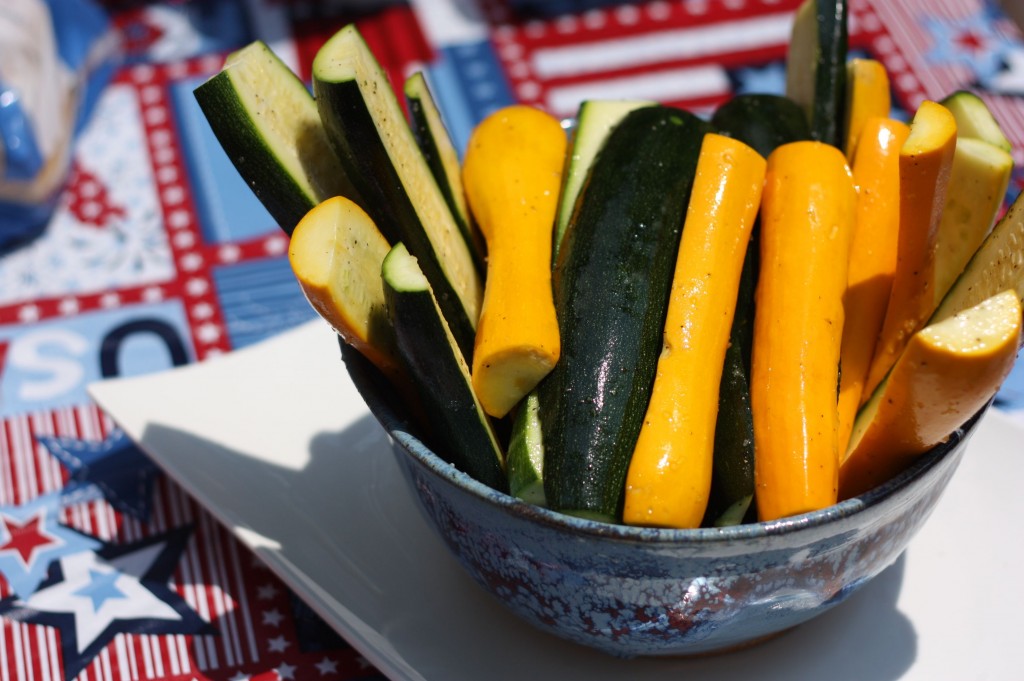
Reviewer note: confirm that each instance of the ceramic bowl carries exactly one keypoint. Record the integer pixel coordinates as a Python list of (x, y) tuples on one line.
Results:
[(633, 591)]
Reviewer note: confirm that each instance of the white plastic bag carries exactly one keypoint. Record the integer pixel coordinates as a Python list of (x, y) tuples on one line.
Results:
[(54, 56)]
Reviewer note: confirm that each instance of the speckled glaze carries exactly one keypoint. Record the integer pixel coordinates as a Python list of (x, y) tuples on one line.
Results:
[(638, 591)]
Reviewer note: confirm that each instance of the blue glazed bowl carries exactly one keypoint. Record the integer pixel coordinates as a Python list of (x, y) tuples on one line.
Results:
[(633, 591)]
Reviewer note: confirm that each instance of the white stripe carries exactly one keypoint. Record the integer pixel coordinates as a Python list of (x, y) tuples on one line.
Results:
[(684, 83), (41, 653), (171, 646), (221, 599), (122, 656), (147, 656), (684, 43), (104, 663), (40, 425), (228, 639), (133, 661), (184, 659), (25, 473), (6, 481), (449, 22), (158, 657), (53, 652), (18, 630), (242, 601), (5, 673)]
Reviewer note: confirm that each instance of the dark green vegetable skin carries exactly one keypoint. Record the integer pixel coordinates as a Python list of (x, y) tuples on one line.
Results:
[(428, 144), (612, 281), (354, 137), (254, 159), (830, 73), (461, 432), (764, 122)]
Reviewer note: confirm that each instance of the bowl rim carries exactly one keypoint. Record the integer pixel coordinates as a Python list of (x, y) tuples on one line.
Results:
[(398, 429)]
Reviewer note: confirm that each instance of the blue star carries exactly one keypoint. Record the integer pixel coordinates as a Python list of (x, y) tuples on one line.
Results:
[(101, 586), (120, 589), (971, 41), (116, 466), (31, 537)]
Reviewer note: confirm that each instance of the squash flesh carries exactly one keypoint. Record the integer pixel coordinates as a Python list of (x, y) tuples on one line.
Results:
[(925, 163)]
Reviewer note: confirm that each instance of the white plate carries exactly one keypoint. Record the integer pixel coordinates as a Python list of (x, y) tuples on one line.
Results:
[(277, 444)]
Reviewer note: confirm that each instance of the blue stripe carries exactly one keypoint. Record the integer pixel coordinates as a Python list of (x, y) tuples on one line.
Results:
[(260, 299)]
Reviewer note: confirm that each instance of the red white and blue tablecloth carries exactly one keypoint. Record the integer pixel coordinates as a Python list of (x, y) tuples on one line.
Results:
[(158, 255)]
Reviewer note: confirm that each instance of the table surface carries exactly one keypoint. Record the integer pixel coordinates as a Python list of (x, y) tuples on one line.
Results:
[(158, 255)]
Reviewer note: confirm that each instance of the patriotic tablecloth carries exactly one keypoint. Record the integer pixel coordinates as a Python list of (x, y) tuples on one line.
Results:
[(159, 256)]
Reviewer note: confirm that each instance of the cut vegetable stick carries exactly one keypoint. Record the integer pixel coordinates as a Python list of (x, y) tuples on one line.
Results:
[(867, 96), (948, 371), (669, 476), (925, 163), (977, 187), (336, 253), (807, 217), (872, 258), (512, 174)]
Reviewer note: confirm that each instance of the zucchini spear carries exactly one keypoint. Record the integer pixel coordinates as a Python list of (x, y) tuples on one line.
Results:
[(367, 129)]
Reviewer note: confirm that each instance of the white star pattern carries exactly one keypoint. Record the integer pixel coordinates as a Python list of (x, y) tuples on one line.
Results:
[(327, 666), (266, 592), (285, 671), (278, 644), (273, 617), (66, 596), (240, 676)]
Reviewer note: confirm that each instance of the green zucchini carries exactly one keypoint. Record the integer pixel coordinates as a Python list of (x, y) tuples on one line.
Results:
[(816, 67), (764, 122), (975, 120), (443, 160), (461, 431), (525, 459), (267, 122), (612, 280), (594, 121), (367, 128)]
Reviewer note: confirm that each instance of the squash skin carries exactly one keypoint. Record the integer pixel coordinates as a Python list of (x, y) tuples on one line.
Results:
[(512, 174), (611, 282), (458, 428), (944, 376), (807, 217), (926, 160), (872, 259), (867, 97), (669, 479), (367, 129)]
